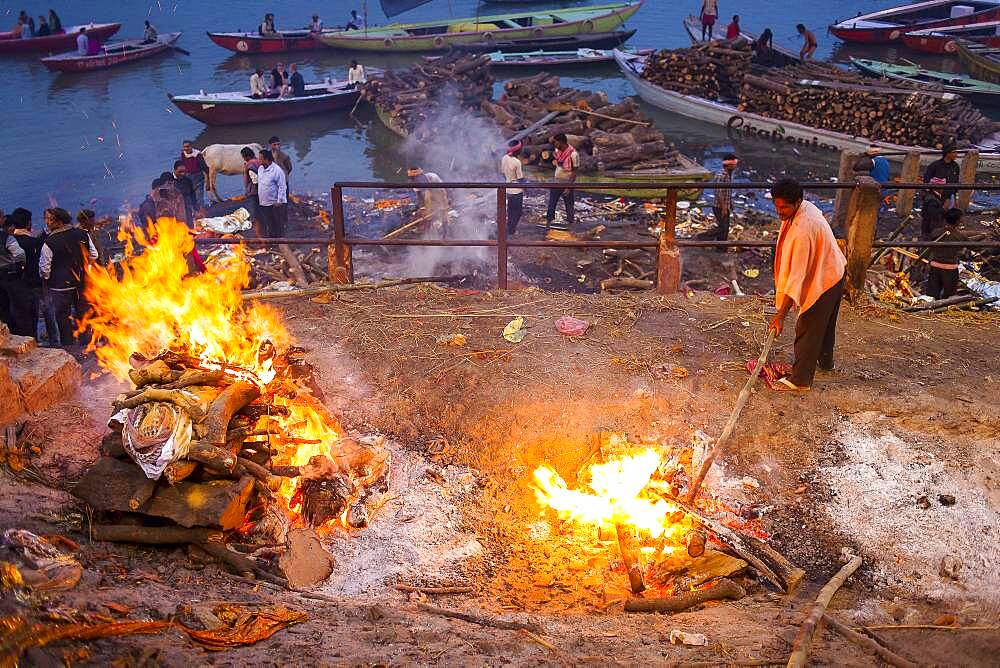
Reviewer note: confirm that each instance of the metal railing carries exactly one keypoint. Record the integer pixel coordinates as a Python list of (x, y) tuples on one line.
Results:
[(340, 247)]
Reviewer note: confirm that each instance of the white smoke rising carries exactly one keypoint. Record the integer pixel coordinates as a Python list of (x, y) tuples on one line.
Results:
[(458, 146)]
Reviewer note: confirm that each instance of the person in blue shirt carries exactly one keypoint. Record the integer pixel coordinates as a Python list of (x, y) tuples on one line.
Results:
[(880, 166)]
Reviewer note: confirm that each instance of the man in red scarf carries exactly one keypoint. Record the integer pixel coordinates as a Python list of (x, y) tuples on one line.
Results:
[(567, 163)]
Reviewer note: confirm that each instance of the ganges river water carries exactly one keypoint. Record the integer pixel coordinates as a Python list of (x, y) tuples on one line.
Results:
[(97, 140)]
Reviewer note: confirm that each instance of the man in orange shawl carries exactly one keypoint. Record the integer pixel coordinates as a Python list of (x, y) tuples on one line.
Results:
[(809, 274)]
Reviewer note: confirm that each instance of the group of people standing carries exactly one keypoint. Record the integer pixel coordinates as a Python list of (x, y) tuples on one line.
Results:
[(764, 45), (565, 161), (42, 276), (25, 28), (265, 182)]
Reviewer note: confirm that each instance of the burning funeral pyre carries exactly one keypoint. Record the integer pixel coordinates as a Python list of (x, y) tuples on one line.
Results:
[(224, 437), (632, 497)]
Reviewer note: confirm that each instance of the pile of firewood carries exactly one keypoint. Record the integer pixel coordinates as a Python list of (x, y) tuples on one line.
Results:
[(410, 97), (827, 97), (687, 71), (609, 136), (268, 266), (200, 454)]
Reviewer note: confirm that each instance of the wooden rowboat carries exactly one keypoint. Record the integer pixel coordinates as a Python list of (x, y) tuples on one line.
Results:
[(983, 61), (889, 25), (597, 40), (941, 41), (547, 59), (793, 135), (112, 53), (689, 171), (442, 35), (238, 107), (285, 40), (962, 84), (64, 41), (780, 57)]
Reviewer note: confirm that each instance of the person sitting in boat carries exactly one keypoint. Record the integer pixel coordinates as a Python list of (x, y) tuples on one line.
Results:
[(20, 30), (356, 74), (808, 42), (55, 23), (28, 29), (279, 81), (149, 34), (296, 82), (258, 88), (43, 27), (355, 22), (82, 42), (764, 47), (316, 26), (267, 26), (94, 46), (733, 29)]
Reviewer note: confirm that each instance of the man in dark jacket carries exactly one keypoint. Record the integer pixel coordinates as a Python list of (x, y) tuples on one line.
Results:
[(946, 168), (942, 280), (186, 188), (12, 289), (147, 210), (25, 311), (62, 263)]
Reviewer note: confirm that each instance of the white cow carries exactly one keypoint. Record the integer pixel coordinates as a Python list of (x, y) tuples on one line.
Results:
[(224, 159)]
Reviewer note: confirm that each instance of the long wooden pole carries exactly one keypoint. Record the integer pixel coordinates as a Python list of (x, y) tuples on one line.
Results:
[(870, 644), (800, 648), (727, 432)]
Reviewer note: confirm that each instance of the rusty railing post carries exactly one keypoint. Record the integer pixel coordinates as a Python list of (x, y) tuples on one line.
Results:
[(668, 255), (967, 174), (339, 258), (909, 174), (502, 238), (862, 215)]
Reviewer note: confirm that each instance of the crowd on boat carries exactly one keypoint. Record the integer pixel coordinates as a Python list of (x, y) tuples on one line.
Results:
[(26, 28), (354, 22), (764, 45)]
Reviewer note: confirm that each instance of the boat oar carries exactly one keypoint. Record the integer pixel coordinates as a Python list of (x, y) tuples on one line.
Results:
[(566, 106), (180, 50)]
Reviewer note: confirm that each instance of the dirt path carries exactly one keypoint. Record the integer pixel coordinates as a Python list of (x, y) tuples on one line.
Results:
[(909, 413)]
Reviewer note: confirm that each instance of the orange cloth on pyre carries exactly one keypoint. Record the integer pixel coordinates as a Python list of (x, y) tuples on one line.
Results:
[(807, 260)]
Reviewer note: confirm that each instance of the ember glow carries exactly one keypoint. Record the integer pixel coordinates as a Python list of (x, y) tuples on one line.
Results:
[(151, 304), (620, 491)]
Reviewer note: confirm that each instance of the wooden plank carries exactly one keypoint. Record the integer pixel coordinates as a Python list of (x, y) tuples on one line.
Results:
[(967, 174), (541, 122), (910, 174), (862, 218)]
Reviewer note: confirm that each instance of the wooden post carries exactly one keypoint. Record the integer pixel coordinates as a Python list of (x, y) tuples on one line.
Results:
[(862, 215), (339, 260), (909, 174), (967, 174), (668, 256), (844, 175), (502, 238)]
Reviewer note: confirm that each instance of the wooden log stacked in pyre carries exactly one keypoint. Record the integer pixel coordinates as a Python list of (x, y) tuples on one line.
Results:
[(202, 454), (609, 136), (824, 96), (269, 266), (410, 97)]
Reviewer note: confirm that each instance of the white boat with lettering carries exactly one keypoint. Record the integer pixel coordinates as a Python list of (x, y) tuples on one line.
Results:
[(793, 134)]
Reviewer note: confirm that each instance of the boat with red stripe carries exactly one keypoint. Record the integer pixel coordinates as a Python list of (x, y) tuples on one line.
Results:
[(63, 41), (889, 25)]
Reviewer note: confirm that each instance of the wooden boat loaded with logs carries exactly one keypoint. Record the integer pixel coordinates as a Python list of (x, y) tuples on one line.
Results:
[(780, 57), (889, 25), (525, 25), (746, 123), (238, 107), (111, 54)]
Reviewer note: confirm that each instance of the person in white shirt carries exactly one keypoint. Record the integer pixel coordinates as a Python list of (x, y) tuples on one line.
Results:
[(356, 74), (316, 25), (355, 22), (272, 192), (258, 89), (82, 42), (513, 172)]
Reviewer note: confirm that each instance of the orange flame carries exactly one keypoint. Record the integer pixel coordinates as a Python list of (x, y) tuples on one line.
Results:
[(156, 305), (620, 491), (152, 303)]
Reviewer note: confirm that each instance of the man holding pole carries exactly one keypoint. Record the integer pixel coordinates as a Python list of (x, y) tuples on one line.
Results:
[(809, 272)]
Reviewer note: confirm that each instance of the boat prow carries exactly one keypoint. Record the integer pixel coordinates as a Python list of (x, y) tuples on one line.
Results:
[(889, 25)]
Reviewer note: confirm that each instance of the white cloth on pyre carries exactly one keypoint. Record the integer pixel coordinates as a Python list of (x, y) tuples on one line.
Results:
[(231, 223), (154, 434)]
